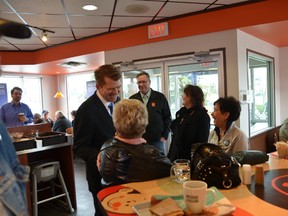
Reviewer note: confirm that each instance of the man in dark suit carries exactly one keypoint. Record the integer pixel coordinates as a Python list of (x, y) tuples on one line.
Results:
[(93, 124)]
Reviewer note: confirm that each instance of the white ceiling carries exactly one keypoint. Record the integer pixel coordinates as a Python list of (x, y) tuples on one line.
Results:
[(70, 22)]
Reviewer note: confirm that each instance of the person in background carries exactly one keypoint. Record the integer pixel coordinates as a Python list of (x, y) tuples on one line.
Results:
[(16, 113), (61, 122), (127, 157), (158, 109), (191, 125), (37, 118), (73, 114), (283, 131), (93, 124), (226, 134), (45, 117), (70, 130), (13, 176)]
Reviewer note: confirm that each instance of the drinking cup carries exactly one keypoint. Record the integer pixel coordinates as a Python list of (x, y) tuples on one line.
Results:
[(180, 171), (195, 194), (20, 116)]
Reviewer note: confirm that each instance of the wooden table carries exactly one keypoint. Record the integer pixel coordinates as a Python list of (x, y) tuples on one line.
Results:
[(242, 198)]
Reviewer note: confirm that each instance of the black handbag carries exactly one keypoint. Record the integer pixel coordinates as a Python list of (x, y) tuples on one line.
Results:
[(209, 163), (251, 157)]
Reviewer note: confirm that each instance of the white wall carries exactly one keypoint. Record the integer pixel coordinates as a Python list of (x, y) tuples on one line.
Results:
[(50, 87), (224, 39), (236, 44), (244, 42)]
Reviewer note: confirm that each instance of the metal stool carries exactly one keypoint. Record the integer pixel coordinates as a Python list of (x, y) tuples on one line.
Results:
[(48, 172)]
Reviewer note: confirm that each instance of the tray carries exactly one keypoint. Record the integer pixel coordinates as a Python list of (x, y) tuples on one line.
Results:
[(51, 138), (221, 207), (24, 144)]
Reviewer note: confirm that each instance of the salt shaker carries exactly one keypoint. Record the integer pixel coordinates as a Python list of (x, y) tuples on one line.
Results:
[(259, 175), (246, 171)]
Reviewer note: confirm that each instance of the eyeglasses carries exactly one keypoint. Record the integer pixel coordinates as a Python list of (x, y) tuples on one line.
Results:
[(142, 82)]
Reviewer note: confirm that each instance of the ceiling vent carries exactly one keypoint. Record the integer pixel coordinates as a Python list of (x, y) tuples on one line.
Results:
[(73, 64)]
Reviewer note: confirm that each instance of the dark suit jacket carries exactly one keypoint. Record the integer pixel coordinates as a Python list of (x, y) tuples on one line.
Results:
[(159, 116), (93, 125)]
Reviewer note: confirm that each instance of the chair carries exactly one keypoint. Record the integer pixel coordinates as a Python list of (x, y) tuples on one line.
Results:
[(44, 174)]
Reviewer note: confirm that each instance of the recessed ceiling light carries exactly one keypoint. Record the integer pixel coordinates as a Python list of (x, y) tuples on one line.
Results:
[(90, 7)]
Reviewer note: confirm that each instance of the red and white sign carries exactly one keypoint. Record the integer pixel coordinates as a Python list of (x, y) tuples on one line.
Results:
[(158, 30)]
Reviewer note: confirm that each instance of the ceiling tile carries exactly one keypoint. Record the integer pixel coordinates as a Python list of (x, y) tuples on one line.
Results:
[(122, 22), (86, 32), (174, 9), (153, 8), (37, 6), (46, 21), (74, 7), (89, 21)]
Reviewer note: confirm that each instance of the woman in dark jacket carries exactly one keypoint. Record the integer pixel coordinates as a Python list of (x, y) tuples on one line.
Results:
[(192, 124), (127, 157)]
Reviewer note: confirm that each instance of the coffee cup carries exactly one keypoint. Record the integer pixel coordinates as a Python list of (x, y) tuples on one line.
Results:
[(195, 196), (21, 117)]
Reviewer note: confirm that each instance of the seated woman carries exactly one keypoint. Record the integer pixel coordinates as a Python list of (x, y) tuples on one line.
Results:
[(226, 134), (283, 131), (37, 118), (127, 157)]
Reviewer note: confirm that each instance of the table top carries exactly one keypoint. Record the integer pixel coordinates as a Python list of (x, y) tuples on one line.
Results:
[(118, 200)]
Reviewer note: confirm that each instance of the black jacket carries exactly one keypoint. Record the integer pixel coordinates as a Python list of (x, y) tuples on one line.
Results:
[(123, 163), (190, 126), (159, 116), (61, 124), (93, 125)]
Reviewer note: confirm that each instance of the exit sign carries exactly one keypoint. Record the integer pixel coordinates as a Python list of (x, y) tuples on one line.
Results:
[(158, 30)]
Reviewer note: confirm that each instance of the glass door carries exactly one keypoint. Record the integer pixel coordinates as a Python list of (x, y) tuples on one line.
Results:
[(206, 73), (129, 78), (170, 77)]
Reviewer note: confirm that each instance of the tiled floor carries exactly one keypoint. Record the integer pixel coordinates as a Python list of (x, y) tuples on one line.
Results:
[(85, 205)]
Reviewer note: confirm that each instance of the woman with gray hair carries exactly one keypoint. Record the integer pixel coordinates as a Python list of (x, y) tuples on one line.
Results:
[(127, 157)]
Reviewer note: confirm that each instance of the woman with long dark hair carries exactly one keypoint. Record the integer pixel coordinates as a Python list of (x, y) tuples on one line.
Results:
[(192, 124)]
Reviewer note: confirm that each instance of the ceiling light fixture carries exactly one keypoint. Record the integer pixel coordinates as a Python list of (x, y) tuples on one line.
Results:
[(58, 93), (90, 7), (44, 36)]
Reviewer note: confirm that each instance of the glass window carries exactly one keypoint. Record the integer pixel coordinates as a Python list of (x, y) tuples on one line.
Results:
[(261, 82), (28, 84), (79, 88), (204, 75)]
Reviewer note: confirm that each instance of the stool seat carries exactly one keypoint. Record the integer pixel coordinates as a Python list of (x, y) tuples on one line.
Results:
[(48, 171)]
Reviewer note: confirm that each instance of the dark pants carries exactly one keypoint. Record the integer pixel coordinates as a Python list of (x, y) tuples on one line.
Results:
[(159, 145), (99, 211)]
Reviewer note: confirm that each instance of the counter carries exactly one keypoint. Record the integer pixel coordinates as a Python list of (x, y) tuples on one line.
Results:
[(61, 152)]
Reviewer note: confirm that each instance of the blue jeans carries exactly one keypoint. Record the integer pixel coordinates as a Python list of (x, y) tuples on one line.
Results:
[(13, 177), (159, 145)]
